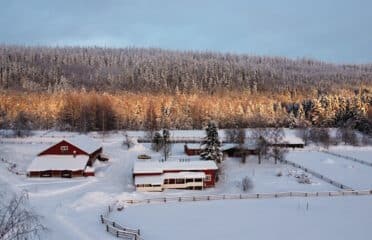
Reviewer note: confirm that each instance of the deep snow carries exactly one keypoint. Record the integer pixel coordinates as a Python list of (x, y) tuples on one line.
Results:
[(71, 207)]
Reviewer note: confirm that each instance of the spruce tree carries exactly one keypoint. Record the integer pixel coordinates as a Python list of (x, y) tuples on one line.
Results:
[(211, 145)]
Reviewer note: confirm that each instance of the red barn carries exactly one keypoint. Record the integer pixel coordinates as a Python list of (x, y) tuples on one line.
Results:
[(192, 149), (67, 158), (185, 174)]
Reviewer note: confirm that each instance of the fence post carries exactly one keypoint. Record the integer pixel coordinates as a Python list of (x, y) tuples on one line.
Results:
[(101, 219), (165, 199), (117, 234), (138, 231), (107, 228), (258, 195), (113, 224)]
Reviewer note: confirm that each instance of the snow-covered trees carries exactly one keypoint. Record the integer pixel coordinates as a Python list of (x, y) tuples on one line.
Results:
[(211, 144), (275, 138), (16, 220), (161, 143), (260, 136), (22, 125), (153, 88)]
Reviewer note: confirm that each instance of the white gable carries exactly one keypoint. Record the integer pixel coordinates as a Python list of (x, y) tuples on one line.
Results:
[(85, 143)]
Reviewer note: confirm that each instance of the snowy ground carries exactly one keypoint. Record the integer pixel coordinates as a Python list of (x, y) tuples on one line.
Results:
[(350, 173), (361, 153), (336, 218), (71, 206)]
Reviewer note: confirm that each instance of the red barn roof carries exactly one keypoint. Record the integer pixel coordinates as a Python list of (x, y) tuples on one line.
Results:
[(79, 144)]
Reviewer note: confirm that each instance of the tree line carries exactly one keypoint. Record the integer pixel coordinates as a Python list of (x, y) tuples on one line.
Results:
[(155, 70), (95, 89), (94, 111)]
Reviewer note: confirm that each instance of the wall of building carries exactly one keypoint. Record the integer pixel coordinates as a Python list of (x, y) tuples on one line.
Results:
[(56, 149)]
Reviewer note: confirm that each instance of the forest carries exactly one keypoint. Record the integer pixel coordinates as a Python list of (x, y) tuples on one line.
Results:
[(93, 88)]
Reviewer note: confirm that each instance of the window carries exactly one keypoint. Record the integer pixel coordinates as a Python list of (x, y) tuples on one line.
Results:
[(198, 180), (180, 181), (64, 148), (208, 178), (188, 180)]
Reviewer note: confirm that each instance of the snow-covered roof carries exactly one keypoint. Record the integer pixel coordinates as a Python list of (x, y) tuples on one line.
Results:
[(160, 167), (85, 143), (58, 162), (159, 179), (193, 145), (292, 139)]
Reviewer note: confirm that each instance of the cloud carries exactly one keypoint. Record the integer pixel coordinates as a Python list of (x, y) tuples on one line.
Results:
[(329, 30)]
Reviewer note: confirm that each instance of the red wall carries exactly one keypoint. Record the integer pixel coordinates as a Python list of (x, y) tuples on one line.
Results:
[(210, 183), (56, 149), (213, 178), (191, 151)]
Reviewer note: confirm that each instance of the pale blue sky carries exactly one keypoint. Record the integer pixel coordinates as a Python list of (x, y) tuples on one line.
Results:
[(330, 30)]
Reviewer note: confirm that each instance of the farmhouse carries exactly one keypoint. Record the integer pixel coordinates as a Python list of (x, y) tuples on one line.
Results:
[(185, 174), (72, 157)]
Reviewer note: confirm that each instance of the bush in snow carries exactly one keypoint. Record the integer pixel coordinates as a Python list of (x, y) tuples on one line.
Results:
[(129, 141), (247, 184)]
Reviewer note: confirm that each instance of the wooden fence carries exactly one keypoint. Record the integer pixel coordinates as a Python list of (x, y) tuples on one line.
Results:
[(318, 175), (117, 229), (246, 196), (12, 167), (348, 158)]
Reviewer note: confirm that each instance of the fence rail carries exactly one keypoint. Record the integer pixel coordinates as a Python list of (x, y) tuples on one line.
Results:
[(117, 229), (246, 196), (318, 175), (12, 167), (348, 158)]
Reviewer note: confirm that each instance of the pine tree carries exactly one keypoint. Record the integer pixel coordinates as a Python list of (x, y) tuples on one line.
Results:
[(211, 146)]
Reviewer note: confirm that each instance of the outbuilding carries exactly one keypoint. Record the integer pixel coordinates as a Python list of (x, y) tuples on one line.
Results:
[(73, 157)]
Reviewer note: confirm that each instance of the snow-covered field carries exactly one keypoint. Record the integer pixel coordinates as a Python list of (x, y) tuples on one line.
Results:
[(71, 207), (291, 219), (347, 172), (361, 153)]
